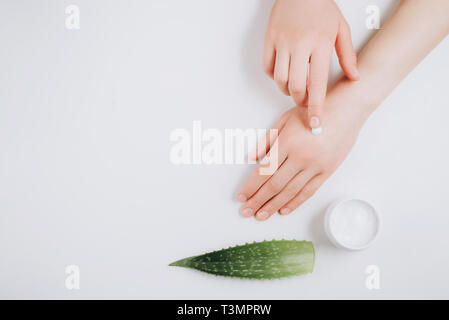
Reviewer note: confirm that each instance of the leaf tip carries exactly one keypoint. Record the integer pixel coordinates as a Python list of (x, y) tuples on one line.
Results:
[(179, 263)]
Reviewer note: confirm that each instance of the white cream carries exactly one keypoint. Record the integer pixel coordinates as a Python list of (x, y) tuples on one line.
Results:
[(352, 224), (317, 131)]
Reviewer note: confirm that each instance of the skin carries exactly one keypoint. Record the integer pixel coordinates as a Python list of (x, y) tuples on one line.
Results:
[(306, 161), (300, 38)]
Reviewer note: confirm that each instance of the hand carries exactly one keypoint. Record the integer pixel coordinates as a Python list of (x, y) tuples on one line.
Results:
[(299, 42), (304, 162)]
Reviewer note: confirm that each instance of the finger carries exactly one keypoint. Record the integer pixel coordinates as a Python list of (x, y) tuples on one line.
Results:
[(258, 177), (317, 86), (288, 193), (266, 141), (281, 70), (270, 188), (306, 192), (297, 80), (346, 53), (269, 55)]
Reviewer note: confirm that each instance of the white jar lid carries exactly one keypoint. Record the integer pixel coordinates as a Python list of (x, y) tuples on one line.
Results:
[(352, 224)]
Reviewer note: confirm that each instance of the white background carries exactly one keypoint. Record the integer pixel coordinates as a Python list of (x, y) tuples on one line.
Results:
[(85, 176)]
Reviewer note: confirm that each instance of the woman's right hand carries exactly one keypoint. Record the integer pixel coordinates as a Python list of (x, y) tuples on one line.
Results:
[(299, 41)]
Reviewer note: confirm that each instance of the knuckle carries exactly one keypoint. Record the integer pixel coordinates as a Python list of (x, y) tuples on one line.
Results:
[(307, 193), (324, 42), (291, 190), (280, 78), (281, 38), (298, 39), (315, 109), (316, 99), (320, 162), (315, 85), (274, 186), (299, 99), (302, 48), (297, 95), (316, 37), (314, 105), (296, 89), (308, 38), (291, 145), (294, 204)]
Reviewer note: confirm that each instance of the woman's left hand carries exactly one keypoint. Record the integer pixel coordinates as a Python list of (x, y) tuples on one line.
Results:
[(304, 162)]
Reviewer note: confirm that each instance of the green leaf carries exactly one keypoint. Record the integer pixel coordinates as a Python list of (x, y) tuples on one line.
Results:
[(258, 260)]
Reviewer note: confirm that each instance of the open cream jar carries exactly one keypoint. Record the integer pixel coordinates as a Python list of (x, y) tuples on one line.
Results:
[(352, 224)]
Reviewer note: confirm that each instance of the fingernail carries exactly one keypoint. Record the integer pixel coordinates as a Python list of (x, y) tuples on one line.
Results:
[(317, 131), (247, 212), (241, 197), (285, 210), (262, 215), (314, 122)]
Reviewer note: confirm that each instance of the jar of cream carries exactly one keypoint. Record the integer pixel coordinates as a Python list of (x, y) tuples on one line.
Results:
[(352, 224)]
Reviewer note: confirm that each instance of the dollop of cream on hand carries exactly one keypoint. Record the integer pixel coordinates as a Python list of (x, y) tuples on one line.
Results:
[(317, 131), (315, 124)]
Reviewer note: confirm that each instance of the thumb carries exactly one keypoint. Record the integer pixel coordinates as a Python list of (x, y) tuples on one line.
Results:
[(346, 53)]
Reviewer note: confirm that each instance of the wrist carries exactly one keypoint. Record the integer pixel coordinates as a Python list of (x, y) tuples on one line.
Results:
[(351, 101)]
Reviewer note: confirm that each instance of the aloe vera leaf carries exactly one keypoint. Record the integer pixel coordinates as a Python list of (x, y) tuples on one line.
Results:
[(257, 260)]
